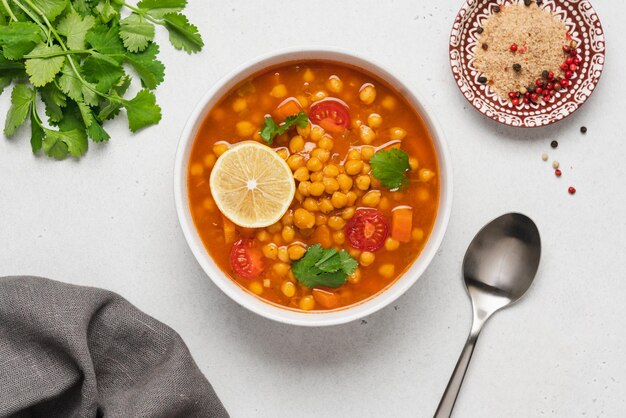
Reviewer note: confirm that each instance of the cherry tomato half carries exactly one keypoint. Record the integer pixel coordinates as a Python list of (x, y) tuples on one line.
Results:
[(246, 260), (331, 114), (367, 230)]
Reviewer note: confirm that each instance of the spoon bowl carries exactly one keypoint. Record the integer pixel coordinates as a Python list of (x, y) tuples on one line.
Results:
[(499, 266)]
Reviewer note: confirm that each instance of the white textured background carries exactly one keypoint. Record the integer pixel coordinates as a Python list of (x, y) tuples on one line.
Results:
[(109, 221)]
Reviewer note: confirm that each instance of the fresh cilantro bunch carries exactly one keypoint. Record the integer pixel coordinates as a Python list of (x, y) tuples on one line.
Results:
[(270, 129), (324, 267), (72, 54), (390, 167)]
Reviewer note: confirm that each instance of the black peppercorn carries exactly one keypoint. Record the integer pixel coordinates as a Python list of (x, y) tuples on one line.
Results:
[(554, 144), (482, 80), (539, 2), (545, 73), (496, 9), (517, 67), (531, 88), (583, 129), (527, 2), (485, 46), (480, 30)]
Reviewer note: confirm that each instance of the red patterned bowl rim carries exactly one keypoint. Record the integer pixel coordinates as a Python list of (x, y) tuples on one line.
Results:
[(584, 25)]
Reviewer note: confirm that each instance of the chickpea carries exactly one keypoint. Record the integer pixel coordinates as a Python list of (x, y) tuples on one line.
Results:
[(279, 91), (387, 270), (220, 148), (363, 182), (374, 120), (288, 233), (391, 244), (396, 133), (354, 154), (331, 170), (336, 222), (348, 213), (425, 174), (274, 228), (317, 132), (306, 131), (296, 251), (366, 168), (326, 143), (417, 234), (263, 235), (245, 129), (334, 84), (296, 144), (314, 164), (283, 153), (389, 103), (283, 255), (270, 251), (352, 197), (208, 204), (371, 198), (303, 219), (366, 258), (331, 185), (345, 182), (209, 160), (301, 174), (367, 94), (355, 277), (309, 204), (326, 206), (307, 303), (304, 188), (367, 152), (320, 219), (281, 269), (321, 154), (353, 167), (308, 75), (366, 134), (354, 252), (288, 288), (304, 102), (240, 104), (277, 238), (287, 218), (422, 194), (317, 188), (317, 176), (339, 200), (298, 196), (295, 161), (414, 163), (196, 169), (256, 288), (384, 204), (339, 237), (319, 95)]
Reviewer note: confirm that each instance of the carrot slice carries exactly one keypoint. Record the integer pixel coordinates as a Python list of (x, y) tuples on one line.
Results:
[(287, 108), (328, 300), (401, 224), (229, 230)]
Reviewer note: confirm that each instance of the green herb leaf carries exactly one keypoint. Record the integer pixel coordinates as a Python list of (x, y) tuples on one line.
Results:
[(142, 111), (103, 73), (50, 8), (183, 35), (270, 130), (54, 100), (390, 167), (108, 11), (106, 40), (21, 100), (60, 144), (324, 267), (41, 71), (96, 132), (19, 38), (159, 8), (36, 134), (74, 28), (136, 32), (150, 70)]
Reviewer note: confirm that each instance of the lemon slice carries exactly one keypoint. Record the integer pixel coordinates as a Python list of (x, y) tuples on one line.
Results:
[(252, 186)]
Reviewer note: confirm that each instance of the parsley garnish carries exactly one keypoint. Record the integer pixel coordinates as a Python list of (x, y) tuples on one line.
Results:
[(270, 129), (324, 267), (73, 52), (390, 167)]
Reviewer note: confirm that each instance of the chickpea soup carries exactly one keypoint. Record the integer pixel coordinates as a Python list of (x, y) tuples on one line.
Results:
[(313, 185)]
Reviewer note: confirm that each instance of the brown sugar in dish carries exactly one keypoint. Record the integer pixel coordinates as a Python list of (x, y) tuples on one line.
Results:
[(519, 36)]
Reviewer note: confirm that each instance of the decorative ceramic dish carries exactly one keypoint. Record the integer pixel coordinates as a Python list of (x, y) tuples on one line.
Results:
[(586, 32)]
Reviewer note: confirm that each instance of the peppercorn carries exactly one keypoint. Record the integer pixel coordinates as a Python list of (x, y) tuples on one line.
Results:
[(554, 144), (571, 190), (485, 46), (513, 47), (517, 67), (531, 88), (539, 2), (515, 101), (544, 74), (527, 2), (496, 9), (583, 129), (557, 172), (482, 79), (480, 30)]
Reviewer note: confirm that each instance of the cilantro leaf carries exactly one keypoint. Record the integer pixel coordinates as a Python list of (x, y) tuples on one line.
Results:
[(106, 40), (324, 267), (54, 100), (60, 144), (107, 11), (74, 28), (19, 38), (103, 73), (150, 70), (136, 32), (270, 129), (36, 134), (183, 35), (390, 167), (96, 132), (50, 8), (142, 110), (159, 8), (41, 71), (21, 101)]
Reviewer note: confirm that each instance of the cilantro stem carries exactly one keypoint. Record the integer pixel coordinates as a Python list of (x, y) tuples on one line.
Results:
[(32, 16), (143, 14), (34, 110), (56, 54), (8, 9)]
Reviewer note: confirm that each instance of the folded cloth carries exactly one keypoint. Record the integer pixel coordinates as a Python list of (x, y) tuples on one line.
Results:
[(73, 351)]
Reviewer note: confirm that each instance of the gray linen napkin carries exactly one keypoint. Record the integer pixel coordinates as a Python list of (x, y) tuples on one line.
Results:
[(73, 351)]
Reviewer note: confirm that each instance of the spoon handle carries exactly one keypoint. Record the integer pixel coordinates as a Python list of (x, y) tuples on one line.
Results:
[(444, 410)]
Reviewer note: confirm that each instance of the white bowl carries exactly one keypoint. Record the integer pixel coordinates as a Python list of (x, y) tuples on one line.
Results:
[(253, 303)]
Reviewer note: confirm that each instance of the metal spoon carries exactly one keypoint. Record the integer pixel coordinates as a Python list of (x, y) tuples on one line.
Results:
[(499, 266)]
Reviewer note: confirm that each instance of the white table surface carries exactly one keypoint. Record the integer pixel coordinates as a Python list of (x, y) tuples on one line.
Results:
[(108, 220)]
